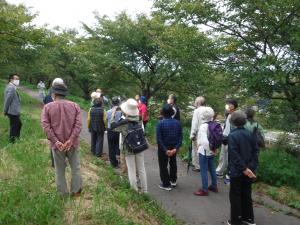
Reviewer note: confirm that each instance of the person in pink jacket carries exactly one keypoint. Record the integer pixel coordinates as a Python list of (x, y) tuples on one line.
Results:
[(143, 110)]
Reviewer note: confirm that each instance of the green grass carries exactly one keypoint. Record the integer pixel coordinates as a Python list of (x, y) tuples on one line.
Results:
[(28, 192)]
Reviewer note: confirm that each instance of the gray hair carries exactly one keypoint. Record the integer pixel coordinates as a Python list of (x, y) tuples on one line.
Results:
[(238, 118), (199, 101), (207, 114)]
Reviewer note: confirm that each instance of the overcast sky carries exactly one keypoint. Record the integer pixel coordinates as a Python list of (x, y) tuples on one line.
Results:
[(69, 13)]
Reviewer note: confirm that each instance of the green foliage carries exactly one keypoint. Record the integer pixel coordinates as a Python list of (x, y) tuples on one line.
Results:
[(278, 168), (258, 43)]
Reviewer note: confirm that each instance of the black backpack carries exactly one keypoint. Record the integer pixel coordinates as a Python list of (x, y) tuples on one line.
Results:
[(135, 139)]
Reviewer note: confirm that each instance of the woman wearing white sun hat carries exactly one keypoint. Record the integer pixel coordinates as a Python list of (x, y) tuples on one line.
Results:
[(134, 162)]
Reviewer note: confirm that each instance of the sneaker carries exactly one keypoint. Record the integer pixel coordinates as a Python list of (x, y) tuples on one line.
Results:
[(196, 170), (168, 188), (229, 223), (200, 192), (213, 189), (173, 184), (227, 177), (248, 222)]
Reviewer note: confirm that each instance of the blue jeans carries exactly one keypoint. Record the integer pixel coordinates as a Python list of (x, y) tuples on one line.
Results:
[(207, 163)]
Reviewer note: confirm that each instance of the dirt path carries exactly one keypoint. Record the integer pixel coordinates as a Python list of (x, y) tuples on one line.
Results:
[(212, 210)]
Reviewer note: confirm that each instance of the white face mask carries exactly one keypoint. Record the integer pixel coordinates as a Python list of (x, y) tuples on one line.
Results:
[(16, 82), (227, 107)]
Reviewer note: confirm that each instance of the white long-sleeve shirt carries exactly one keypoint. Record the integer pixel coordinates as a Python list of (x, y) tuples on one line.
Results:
[(196, 122), (227, 128), (202, 140)]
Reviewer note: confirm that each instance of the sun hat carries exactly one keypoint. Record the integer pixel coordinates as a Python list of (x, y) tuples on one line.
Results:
[(58, 81), (130, 107), (60, 89)]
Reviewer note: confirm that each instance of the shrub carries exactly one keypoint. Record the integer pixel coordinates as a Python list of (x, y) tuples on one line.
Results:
[(279, 168)]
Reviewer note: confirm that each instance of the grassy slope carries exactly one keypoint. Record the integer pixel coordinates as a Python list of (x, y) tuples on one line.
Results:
[(27, 184)]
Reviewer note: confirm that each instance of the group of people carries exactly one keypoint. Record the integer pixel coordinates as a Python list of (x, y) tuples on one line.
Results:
[(125, 124), (238, 159)]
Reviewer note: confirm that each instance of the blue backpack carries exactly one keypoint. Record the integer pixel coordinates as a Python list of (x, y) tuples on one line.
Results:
[(215, 135)]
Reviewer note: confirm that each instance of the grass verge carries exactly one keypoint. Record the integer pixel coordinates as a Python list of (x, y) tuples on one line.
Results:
[(28, 193)]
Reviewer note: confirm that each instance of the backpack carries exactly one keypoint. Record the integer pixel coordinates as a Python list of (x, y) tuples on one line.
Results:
[(215, 135), (135, 139), (259, 138)]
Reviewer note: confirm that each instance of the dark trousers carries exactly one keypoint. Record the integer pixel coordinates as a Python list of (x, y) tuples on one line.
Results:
[(97, 143), (113, 146), (15, 127), (167, 174), (240, 199)]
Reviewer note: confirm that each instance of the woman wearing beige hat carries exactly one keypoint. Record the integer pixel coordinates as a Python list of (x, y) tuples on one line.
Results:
[(134, 161)]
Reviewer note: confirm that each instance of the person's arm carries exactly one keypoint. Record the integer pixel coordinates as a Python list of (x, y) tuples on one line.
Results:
[(179, 138), (77, 125), (8, 98), (255, 152), (119, 126), (46, 125), (159, 138), (233, 150), (195, 125), (89, 119)]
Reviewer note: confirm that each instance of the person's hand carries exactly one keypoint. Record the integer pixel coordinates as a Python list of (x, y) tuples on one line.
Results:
[(249, 173), (59, 146), (68, 145)]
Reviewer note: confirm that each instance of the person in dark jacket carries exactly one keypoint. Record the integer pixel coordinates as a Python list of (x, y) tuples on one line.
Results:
[(97, 124), (12, 107), (169, 140), (243, 161), (172, 102)]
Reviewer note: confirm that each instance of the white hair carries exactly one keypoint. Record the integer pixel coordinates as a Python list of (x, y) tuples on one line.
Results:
[(207, 114), (58, 81)]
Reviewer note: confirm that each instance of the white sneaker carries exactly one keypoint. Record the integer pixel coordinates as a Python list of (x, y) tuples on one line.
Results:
[(173, 184), (165, 188), (249, 222)]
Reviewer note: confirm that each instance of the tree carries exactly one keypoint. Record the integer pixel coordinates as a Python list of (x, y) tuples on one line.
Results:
[(147, 50), (259, 42)]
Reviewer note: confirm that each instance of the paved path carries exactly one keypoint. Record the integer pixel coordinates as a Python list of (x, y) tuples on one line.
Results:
[(180, 202)]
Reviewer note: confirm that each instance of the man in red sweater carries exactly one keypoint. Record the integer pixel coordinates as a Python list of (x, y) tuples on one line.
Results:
[(62, 123)]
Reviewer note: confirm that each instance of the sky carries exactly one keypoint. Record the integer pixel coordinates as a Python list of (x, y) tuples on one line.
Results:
[(69, 13)]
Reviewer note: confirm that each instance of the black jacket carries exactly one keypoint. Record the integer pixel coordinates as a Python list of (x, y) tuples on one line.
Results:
[(97, 116), (242, 152)]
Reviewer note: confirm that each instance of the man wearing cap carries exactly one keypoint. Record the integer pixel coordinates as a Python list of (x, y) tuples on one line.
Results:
[(47, 100), (61, 121), (113, 116)]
